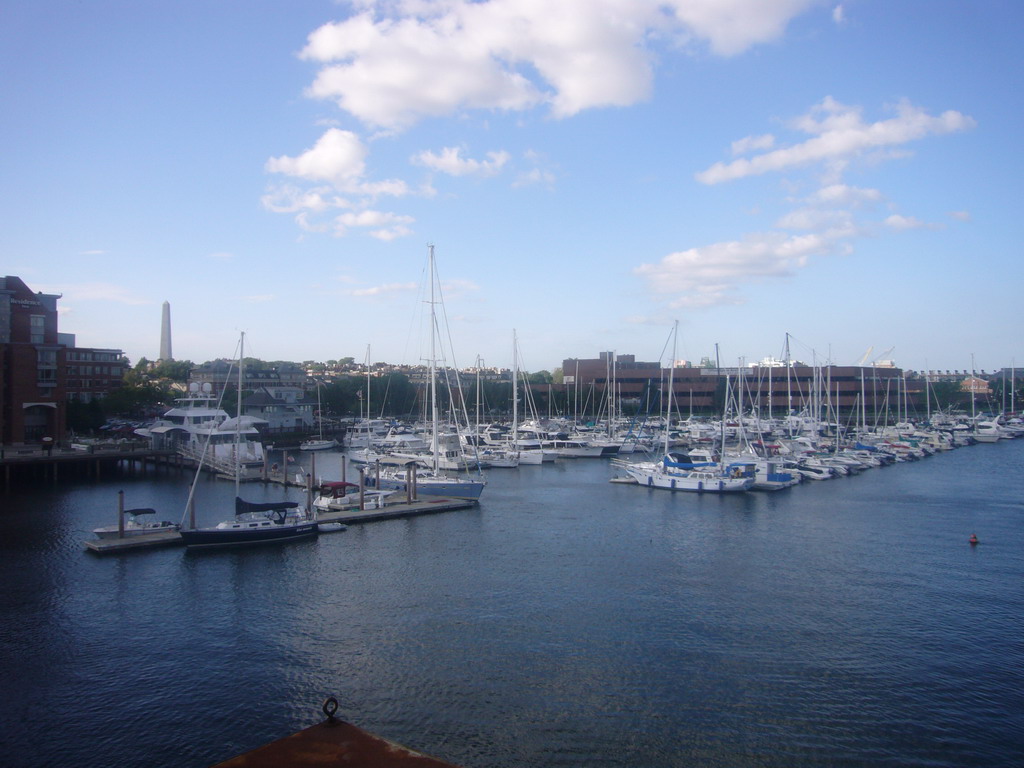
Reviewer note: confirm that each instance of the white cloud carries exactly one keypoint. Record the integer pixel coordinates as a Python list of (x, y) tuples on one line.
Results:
[(534, 176), (841, 194), (380, 290), (838, 14), (753, 143), (379, 224), (709, 275), (840, 134), (822, 223), (394, 63), (337, 157), (903, 222), (960, 215), (814, 219), (287, 198), (733, 26), (450, 161)]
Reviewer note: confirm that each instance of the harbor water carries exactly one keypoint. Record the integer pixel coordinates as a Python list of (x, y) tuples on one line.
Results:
[(565, 621)]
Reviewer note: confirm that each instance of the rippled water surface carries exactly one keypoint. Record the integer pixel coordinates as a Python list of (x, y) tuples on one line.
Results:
[(566, 621)]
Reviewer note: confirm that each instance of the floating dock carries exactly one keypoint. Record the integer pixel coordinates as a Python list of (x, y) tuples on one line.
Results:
[(422, 506), (134, 543), (392, 511)]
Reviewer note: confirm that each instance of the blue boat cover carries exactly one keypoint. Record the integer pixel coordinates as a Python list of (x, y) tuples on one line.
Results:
[(242, 506)]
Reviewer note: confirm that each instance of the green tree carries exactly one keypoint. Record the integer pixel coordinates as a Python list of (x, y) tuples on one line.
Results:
[(948, 395), (134, 400), (174, 370)]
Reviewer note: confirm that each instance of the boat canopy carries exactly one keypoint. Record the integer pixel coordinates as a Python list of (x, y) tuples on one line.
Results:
[(140, 511), (683, 461), (242, 506), (335, 488)]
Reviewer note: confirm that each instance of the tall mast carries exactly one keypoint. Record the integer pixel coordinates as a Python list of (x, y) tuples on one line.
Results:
[(927, 393), (671, 376), (789, 390), (433, 363), (974, 423), (863, 403), (515, 389), (367, 383), (479, 364), (238, 414), (725, 402), (1013, 375), (576, 393)]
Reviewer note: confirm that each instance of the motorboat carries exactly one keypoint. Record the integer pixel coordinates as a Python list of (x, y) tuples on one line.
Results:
[(318, 444), (336, 495), (136, 522)]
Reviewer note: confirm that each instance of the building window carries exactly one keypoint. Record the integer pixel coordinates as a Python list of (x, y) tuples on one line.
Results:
[(37, 329), (46, 366)]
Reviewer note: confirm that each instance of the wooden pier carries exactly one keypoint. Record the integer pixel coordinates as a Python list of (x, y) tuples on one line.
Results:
[(95, 461)]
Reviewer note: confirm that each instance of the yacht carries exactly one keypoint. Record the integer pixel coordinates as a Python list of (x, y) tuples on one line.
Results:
[(255, 523), (196, 424)]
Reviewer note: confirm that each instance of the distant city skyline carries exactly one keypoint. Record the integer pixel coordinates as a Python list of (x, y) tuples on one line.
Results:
[(589, 172)]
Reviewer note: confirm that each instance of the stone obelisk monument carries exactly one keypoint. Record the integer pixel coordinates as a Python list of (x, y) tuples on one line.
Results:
[(165, 333)]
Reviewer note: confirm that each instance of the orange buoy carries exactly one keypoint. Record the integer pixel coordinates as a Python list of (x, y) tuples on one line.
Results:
[(973, 539)]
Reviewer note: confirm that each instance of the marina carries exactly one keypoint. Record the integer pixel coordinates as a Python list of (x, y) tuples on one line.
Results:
[(850, 621)]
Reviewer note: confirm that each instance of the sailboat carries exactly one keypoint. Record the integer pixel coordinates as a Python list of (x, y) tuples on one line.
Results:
[(320, 443), (252, 522), (428, 481), (677, 471)]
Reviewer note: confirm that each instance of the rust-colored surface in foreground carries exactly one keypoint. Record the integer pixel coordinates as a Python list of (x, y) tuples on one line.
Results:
[(332, 743)]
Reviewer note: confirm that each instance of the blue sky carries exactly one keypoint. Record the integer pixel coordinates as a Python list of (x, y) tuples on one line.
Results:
[(588, 171)]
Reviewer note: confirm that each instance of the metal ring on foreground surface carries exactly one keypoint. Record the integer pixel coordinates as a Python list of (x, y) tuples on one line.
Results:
[(330, 707)]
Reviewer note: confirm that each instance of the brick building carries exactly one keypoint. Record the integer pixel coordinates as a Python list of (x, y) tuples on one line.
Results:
[(775, 390), (32, 381), (586, 383), (91, 374)]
